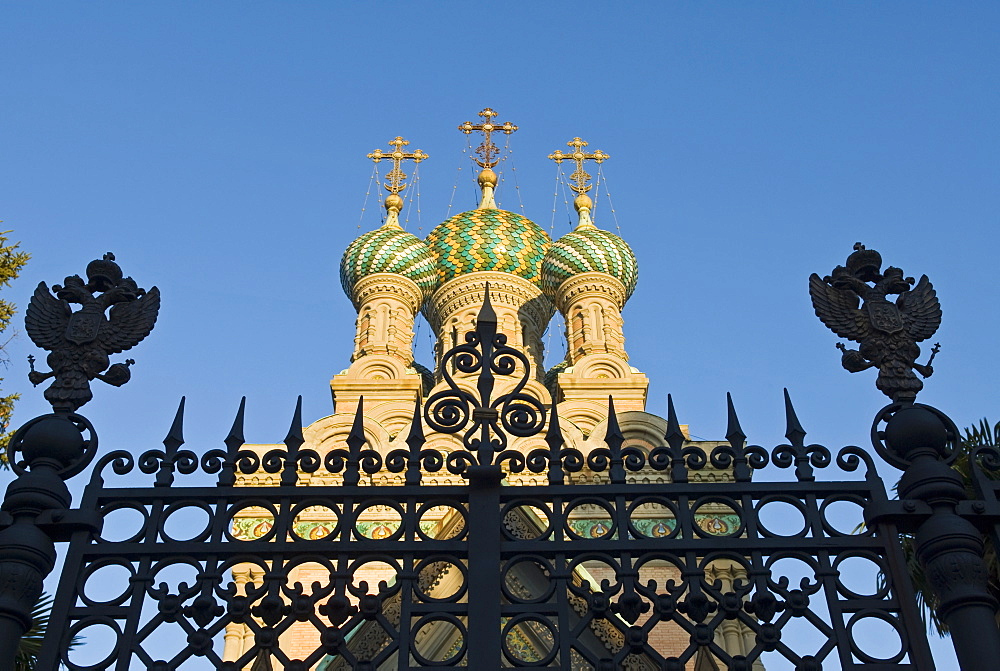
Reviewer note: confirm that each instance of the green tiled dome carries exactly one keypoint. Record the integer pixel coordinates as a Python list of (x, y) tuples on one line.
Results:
[(389, 249), (489, 240), (589, 250)]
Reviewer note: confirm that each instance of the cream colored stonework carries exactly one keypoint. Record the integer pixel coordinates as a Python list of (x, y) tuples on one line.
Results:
[(523, 313)]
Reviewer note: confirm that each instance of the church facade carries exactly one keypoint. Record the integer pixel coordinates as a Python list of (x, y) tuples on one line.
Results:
[(392, 278)]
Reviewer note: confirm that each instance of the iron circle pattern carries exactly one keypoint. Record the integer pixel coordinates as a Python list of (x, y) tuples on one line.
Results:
[(526, 619), (510, 524), (439, 617), (229, 528), (870, 613), (654, 531), (332, 530), (730, 503), (882, 586), (124, 505), (547, 572), (354, 519), (602, 504), (428, 562), (889, 455), (74, 467), (75, 630), (798, 504), (427, 506), (828, 527), (181, 505), (810, 582), (91, 569)]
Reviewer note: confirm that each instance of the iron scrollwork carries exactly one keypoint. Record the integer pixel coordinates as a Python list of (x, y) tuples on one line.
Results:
[(487, 421)]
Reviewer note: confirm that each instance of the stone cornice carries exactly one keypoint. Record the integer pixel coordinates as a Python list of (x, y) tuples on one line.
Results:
[(505, 290), (391, 284), (585, 283)]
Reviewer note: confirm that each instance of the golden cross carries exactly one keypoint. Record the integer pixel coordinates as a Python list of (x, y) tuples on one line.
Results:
[(487, 149), (580, 176), (397, 156)]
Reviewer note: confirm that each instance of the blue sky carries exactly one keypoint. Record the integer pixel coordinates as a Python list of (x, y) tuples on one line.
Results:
[(219, 150)]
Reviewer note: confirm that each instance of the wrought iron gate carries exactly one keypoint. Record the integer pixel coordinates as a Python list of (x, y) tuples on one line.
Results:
[(506, 576)]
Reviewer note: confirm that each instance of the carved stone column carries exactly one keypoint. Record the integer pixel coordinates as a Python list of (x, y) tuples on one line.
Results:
[(387, 305), (591, 305)]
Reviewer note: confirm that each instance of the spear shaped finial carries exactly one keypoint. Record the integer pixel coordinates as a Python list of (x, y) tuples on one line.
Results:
[(295, 430), (486, 314), (674, 436), (235, 437), (614, 430), (175, 436), (793, 429), (734, 432), (358, 426), (416, 433), (414, 442), (554, 439)]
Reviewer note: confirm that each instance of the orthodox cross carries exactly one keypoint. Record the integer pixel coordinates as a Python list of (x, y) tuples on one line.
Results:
[(580, 176), (487, 149), (397, 156)]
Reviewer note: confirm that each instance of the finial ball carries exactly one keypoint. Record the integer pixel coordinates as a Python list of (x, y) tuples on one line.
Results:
[(913, 428), (583, 202), (487, 178), (393, 202)]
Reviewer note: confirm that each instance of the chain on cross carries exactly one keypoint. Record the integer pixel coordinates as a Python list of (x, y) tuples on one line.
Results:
[(396, 176), (487, 150), (580, 176)]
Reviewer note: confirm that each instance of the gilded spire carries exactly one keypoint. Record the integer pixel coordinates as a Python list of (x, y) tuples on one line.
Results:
[(488, 152), (396, 176), (580, 177)]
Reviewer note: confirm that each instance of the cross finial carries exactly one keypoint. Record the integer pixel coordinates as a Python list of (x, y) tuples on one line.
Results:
[(487, 150), (396, 176), (579, 176)]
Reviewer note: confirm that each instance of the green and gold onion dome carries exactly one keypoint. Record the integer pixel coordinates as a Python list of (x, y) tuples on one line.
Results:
[(489, 239), (389, 249), (588, 249)]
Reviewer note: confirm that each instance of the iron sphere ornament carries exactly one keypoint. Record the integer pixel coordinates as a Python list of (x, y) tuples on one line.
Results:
[(65, 442), (80, 342), (853, 302)]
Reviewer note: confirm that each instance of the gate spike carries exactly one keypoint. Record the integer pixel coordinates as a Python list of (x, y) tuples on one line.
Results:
[(554, 439), (235, 436), (295, 430), (793, 429), (414, 442), (674, 436), (734, 433), (554, 429), (416, 434), (486, 314), (614, 431), (175, 437), (357, 432)]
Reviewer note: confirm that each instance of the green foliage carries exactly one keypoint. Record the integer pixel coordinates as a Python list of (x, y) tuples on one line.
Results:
[(975, 437), (31, 643), (11, 262)]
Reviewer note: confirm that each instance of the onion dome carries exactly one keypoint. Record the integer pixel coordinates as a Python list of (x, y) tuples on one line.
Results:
[(588, 249), (489, 239), (389, 249)]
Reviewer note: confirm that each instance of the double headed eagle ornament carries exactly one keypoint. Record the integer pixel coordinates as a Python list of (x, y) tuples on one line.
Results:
[(853, 302), (80, 342)]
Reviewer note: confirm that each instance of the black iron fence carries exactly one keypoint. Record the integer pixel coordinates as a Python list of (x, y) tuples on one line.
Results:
[(646, 563)]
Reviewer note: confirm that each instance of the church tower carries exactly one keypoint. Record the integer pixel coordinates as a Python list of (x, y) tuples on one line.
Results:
[(588, 275), (392, 277)]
